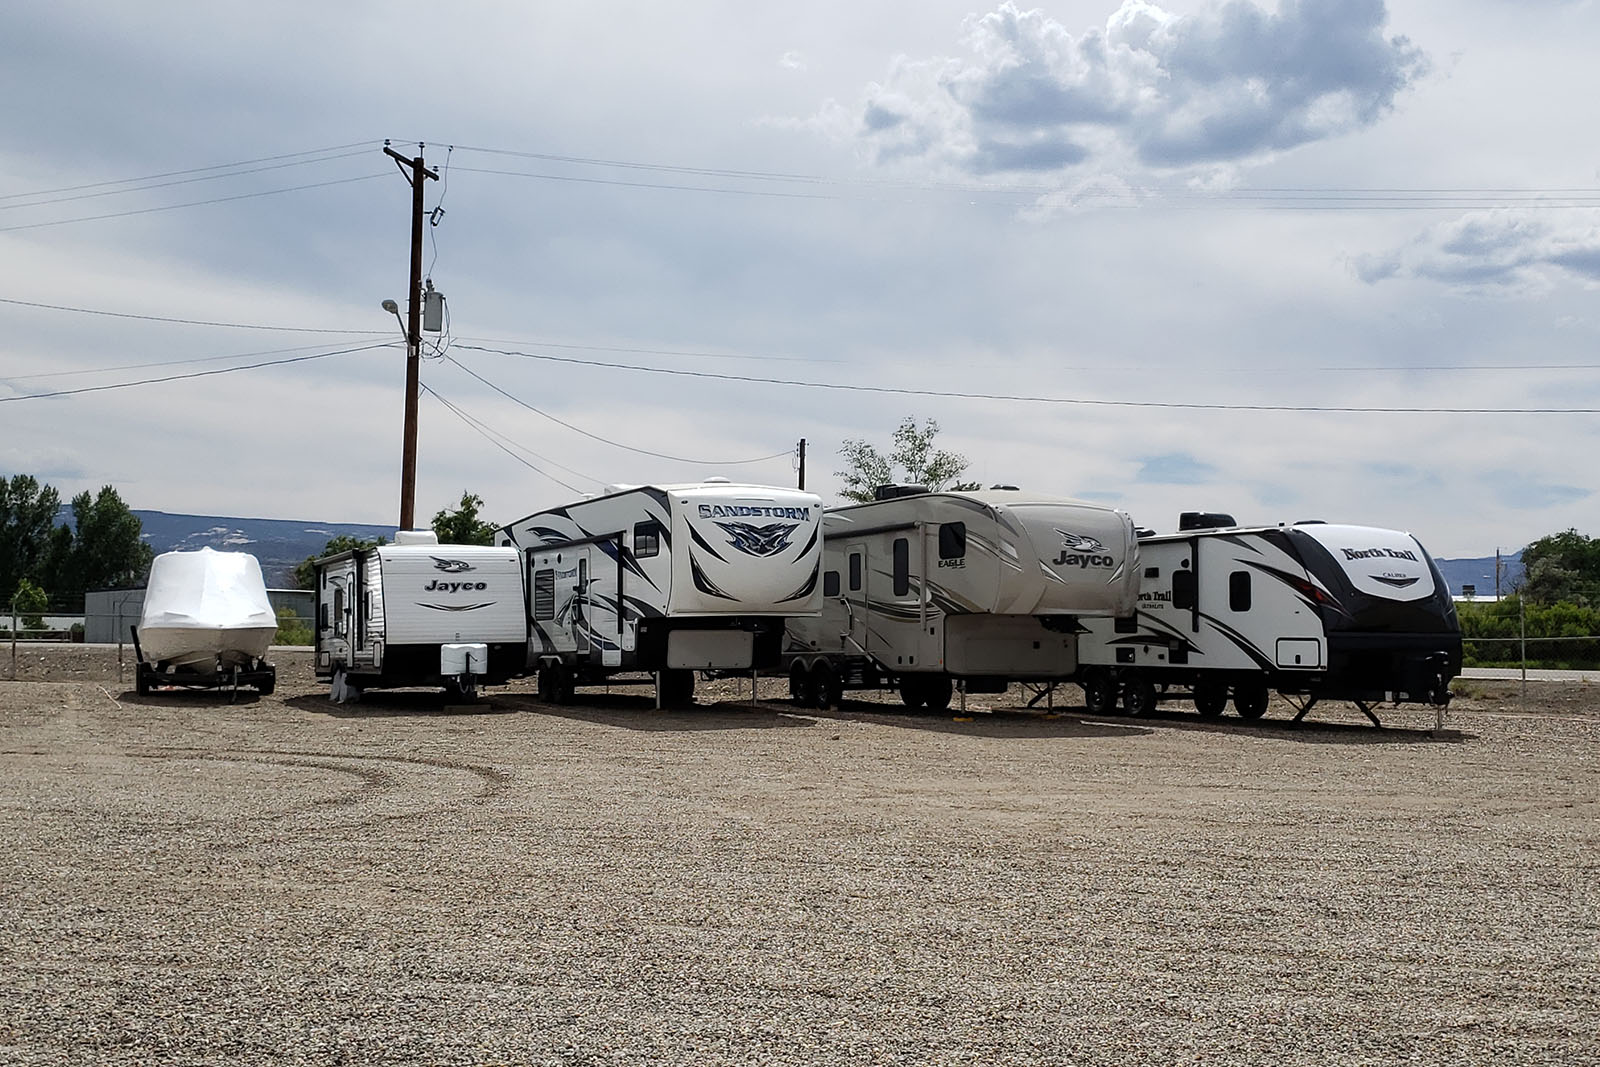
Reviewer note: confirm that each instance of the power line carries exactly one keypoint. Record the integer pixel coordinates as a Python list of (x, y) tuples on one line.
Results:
[(177, 181), (146, 366), (185, 322), (191, 203), (494, 438), (182, 377), (191, 170), (606, 440), (691, 353), (1066, 401)]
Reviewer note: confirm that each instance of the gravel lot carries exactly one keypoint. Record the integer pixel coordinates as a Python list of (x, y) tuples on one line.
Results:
[(286, 880)]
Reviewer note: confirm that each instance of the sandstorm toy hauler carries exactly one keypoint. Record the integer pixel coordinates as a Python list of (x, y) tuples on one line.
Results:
[(418, 613), (1314, 610), (666, 579), (924, 591)]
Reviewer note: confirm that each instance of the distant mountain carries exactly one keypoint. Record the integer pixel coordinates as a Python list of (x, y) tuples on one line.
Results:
[(280, 544), (1479, 573)]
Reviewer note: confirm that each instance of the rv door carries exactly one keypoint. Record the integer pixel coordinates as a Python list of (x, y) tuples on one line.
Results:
[(855, 595)]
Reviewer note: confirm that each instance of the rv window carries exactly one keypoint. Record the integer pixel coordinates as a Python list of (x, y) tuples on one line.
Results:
[(1239, 591), (339, 625), (952, 540), (1152, 572), (1183, 590), (323, 622), (830, 583), (544, 594), (902, 566), (855, 571), (646, 539)]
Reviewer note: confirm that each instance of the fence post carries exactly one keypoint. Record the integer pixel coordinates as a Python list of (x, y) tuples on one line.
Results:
[(1522, 639), (13, 637)]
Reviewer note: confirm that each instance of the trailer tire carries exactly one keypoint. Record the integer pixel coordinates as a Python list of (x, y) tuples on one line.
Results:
[(1139, 697), (267, 685), (936, 692), (800, 686), (1210, 699), (141, 681), (677, 688), (825, 689), (1250, 700), (557, 685), (912, 693), (1099, 693)]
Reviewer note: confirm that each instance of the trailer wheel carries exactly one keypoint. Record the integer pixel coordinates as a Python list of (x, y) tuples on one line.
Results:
[(1250, 701), (1099, 693), (1210, 699), (825, 688), (677, 687), (912, 693), (267, 685), (557, 685), (1139, 697), (141, 680), (936, 692), (800, 690)]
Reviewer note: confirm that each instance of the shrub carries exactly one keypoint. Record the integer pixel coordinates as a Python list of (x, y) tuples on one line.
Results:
[(292, 629)]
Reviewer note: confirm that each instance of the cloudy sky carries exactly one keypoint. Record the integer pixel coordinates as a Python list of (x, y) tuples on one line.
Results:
[(1302, 259)]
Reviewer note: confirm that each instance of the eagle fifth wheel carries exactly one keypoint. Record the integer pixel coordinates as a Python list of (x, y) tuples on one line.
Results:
[(1315, 611), (418, 613), (926, 590), (667, 579)]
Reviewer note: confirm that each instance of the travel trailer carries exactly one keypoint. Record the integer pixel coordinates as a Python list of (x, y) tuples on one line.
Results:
[(926, 591), (1314, 610), (418, 613), (667, 579)]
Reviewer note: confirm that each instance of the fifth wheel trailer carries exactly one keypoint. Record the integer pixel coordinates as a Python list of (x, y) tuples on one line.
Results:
[(666, 579), (925, 591), (1314, 610), (418, 613)]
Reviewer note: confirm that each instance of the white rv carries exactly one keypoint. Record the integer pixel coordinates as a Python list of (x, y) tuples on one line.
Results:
[(1313, 610), (418, 613), (926, 590), (667, 579)]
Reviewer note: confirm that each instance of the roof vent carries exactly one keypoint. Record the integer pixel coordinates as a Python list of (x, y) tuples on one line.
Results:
[(416, 537), (1311, 522), (1204, 520), (1006, 488), (892, 492), (717, 479)]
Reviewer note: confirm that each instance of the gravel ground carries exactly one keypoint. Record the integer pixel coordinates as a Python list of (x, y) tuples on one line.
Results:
[(285, 880)]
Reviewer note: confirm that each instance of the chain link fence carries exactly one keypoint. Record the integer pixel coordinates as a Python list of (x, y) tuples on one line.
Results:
[(1510, 633)]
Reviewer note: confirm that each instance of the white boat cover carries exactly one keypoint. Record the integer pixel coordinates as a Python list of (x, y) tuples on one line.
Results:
[(205, 606)]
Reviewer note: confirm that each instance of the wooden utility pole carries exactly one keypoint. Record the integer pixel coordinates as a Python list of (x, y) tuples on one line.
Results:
[(408, 446), (802, 463)]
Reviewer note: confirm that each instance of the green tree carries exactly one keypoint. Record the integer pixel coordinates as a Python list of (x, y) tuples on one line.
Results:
[(912, 452), (108, 549), (28, 513), (1562, 568), (292, 629), (30, 603), (305, 572), (462, 526)]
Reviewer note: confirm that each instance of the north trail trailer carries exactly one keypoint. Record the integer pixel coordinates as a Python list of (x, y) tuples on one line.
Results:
[(666, 579), (925, 591), (1316, 611), (420, 614)]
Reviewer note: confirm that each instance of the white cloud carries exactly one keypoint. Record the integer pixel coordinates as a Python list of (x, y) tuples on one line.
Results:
[(1505, 251), (1150, 90)]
